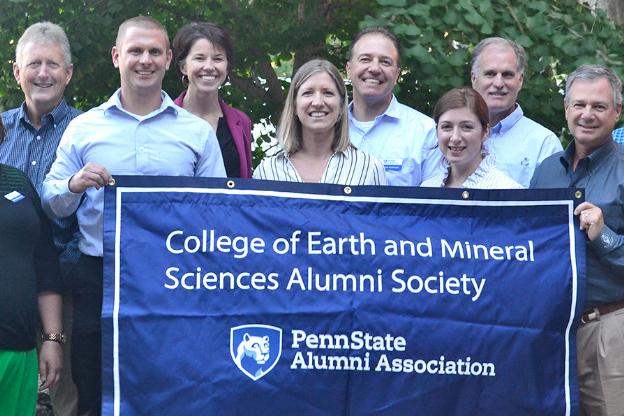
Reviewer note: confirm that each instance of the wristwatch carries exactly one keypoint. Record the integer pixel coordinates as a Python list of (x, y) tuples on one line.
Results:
[(55, 336)]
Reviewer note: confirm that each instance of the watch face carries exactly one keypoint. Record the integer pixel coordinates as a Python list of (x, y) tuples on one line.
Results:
[(56, 337)]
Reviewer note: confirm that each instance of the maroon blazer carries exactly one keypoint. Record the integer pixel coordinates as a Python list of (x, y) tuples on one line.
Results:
[(240, 128)]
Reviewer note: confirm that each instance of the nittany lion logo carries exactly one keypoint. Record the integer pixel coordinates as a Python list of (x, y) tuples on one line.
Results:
[(255, 348)]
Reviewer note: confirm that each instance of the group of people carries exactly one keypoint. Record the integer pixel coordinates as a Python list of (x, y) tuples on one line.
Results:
[(478, 138)]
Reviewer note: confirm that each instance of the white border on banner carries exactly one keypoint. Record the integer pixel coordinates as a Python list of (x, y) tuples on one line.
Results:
[(277, 194), (573, 310), (116, 389)]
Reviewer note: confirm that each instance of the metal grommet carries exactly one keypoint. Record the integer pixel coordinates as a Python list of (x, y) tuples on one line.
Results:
[(111, 182), (231, 184), (465, 194), (347, 190), (578, 194)]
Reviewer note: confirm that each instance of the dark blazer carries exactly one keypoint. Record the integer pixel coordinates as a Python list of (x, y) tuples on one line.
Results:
[(240, 128)]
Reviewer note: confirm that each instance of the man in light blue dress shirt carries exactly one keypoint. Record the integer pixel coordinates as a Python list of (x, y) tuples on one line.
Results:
[(401, 137), (138, 131), (518, 143)]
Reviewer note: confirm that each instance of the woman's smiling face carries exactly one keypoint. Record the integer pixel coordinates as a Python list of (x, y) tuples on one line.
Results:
[(461, 136)]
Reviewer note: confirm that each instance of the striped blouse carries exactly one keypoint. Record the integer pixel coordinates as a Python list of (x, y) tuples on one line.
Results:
[(351, 167)]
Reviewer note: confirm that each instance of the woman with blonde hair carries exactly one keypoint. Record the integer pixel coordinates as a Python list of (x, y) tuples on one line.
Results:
[(314, 134)]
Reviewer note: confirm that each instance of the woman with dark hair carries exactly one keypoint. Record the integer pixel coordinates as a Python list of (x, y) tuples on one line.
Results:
[(30, 287), (314, 134), (461, 117), (204, 56)]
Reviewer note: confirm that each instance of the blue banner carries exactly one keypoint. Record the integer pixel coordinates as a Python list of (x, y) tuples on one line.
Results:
[(267, 298)]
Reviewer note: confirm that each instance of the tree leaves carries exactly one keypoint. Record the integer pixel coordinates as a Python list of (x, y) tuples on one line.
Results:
[(558, 35), (272, 38)]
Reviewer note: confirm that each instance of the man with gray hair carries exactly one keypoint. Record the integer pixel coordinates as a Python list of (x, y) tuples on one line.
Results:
[(518, 143), (593, 102), (43, 68)]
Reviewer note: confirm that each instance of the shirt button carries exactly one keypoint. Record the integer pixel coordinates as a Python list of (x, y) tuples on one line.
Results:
[(34, 162), (38, 137)]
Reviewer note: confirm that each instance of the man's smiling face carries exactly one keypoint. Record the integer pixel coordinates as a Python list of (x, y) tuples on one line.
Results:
[(142, 56), (591, 113), (498, 80), (373, 68), (42, 74)]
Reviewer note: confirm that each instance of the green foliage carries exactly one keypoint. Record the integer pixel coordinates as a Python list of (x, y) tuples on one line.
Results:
[(558, 35), (91, 29), (271, 39)]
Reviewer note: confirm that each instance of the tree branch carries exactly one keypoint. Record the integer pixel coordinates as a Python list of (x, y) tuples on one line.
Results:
[(265, 68), (248, 86)]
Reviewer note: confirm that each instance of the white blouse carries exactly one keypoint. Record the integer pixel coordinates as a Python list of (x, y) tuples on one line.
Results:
[(487, 176), (351, 167)]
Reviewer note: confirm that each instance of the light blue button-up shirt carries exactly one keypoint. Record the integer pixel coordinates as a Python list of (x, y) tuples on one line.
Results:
[(403, 139), (169, 141), (519, 145)]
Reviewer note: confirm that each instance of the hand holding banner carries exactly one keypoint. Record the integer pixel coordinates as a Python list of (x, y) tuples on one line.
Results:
[(276, 298)]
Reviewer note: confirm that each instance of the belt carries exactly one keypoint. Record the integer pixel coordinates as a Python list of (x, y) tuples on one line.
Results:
[(595, 313)]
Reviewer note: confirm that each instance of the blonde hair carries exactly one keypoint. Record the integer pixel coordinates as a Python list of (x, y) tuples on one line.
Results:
[(289, 133)]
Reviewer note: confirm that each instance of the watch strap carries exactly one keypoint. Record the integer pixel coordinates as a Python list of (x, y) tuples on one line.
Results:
[(55, 337)]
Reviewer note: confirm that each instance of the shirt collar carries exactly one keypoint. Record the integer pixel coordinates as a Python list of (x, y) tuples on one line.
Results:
[(57, 114), (393, 110), (508, 122), (167, 105), (595, 158), (486, 165)]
